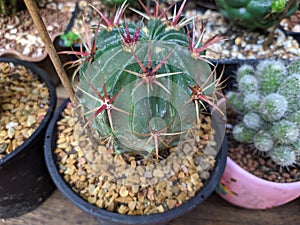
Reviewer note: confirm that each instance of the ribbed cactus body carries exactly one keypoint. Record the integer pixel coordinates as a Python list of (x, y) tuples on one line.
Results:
[(149, 102)]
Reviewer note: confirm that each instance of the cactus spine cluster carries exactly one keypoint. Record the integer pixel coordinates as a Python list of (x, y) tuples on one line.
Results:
[(269, 100), (143, 84)]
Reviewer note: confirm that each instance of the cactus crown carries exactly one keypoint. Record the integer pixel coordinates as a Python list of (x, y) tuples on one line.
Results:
[(269, 100), (144, 84)]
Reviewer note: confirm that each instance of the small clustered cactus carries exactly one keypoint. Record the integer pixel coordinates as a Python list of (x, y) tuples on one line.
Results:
[(269, 100), (144, 84)]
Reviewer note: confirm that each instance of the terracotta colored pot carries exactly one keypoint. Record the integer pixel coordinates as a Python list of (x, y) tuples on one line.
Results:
[(243, 189)]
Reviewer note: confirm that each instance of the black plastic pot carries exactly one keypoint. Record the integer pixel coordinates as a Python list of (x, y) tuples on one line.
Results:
[(295, 35), (230, 66), (24, 180), (111, 218)]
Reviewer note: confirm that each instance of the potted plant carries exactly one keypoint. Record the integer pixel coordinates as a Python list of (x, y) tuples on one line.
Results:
[(251, 29), (137, 154), (28, 101), (264, 171)]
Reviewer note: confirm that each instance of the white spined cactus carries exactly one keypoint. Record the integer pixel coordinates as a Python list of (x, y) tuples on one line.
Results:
[(263, 141), (283, 155), (285, 132), (248, 84), (290, 88), (236, 100), (270, 76), (243, 134), (270, 66), (253, 121), (244, 70), (252, 101), (295, 118), (273, 107), (269, 100)]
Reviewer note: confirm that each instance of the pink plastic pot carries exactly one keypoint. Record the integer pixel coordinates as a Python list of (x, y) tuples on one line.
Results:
[(243, 189)]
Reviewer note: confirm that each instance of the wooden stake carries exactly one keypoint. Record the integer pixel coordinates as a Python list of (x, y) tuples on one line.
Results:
[(37, 19)]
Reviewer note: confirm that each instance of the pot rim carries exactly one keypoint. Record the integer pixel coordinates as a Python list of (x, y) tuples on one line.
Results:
[(45, 78), (245, 173), (14, 54), (103, 214)]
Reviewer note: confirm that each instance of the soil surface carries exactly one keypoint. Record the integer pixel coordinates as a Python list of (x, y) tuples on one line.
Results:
[(240, 43), (24, 101), (120, 182), (253, 161)]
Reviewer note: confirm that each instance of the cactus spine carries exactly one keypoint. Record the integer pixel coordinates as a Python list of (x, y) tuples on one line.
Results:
[(143, 85)]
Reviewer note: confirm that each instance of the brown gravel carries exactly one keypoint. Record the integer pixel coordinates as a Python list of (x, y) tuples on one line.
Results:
[(241, 43), (251, 160), (118, 183), (24, 102)]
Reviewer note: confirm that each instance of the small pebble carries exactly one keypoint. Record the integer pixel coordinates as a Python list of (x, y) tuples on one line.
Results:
[(240, 43), (18, 121)]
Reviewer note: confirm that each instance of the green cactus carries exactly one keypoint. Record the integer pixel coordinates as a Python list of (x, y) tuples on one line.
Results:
[(143, 84), (290, 90), (285, 132), (271, 114), (244, 70), (248, 84), (242, 133), (270, 75), (283, 155), (253, 14), (251, 101), (253, 121), (295, 118), (273, 107), (236, 100), (294, 67), (263, 141)]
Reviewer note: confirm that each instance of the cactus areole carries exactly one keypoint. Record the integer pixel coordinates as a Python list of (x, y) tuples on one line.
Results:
[(143, 85)]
